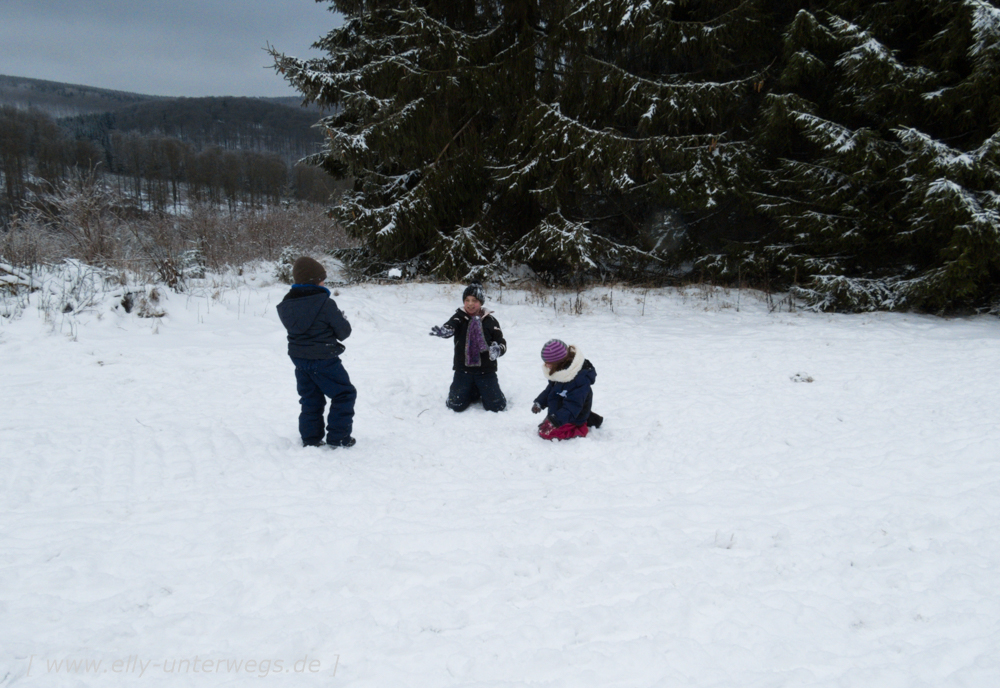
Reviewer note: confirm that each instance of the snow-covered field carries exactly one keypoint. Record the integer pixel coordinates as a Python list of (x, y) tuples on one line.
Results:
[(775, 499)]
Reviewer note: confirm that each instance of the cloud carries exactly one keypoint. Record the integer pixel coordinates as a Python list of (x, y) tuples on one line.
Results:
[(160, 47)]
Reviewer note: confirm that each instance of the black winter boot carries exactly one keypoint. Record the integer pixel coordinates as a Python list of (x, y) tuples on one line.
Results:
[(594, 420)]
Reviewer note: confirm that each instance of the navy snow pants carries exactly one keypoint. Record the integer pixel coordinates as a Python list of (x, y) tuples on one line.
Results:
[(317, 379)]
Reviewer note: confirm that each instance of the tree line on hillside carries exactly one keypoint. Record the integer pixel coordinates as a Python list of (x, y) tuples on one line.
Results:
[(846, 149), (226, 122), (155, 172)]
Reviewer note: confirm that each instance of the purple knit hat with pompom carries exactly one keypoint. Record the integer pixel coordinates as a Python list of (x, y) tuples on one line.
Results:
[(554, 350)]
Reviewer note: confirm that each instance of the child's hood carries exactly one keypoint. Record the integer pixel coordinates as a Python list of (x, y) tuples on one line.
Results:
[(579, 364), (299, 309)]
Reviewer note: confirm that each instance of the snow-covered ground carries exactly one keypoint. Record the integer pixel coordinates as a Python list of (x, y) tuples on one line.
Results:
[(775, 499)]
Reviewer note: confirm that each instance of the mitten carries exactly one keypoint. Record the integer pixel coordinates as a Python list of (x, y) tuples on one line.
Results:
[(494, 351), (442, 331), (536, 408)]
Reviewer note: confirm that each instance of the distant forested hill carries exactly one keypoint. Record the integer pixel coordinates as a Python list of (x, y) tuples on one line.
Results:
[(230, 123), (160, 152), (275, 125), (64, 100)]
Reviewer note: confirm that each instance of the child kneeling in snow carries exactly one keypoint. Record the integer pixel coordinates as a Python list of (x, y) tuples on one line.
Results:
[(568, 396), (479, 343)]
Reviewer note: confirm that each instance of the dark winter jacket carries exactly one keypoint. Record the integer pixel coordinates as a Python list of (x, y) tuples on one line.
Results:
[(315, 325), (568, 396), (491, 333)]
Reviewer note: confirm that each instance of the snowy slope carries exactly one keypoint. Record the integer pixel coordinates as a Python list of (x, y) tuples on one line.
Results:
[(775, 499)]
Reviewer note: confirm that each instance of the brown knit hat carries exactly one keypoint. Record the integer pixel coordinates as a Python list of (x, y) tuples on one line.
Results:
[(308, 271)]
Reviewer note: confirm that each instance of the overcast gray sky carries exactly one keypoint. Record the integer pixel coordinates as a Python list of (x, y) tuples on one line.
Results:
[(160, 47)]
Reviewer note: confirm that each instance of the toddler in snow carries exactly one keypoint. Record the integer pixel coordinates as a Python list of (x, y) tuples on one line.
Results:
[(479, 343), (568, 396), (315, 329)]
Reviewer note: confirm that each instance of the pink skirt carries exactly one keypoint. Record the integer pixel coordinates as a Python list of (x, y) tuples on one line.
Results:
[(563, 432)]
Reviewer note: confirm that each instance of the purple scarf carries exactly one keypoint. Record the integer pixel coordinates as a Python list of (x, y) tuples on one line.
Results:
[(475, 342)]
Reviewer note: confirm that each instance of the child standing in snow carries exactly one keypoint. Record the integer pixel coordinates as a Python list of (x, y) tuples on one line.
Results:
[(568, 396), (479, 343), (315, 329)]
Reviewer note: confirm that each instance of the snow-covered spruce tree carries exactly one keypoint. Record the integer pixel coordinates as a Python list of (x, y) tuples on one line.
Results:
[(884, 137), (556, 133)]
